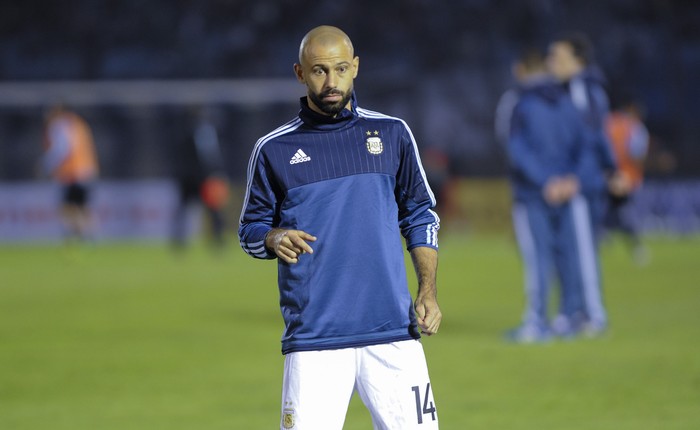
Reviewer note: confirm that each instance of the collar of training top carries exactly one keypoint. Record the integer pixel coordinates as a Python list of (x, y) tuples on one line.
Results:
[(327, 122)]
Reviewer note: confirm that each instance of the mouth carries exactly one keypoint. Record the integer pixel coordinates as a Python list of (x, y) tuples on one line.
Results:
[(332, 97)]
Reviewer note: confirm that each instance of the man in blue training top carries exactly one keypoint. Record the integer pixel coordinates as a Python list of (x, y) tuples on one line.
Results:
[(570, 60), (330, 194), (546, 139)]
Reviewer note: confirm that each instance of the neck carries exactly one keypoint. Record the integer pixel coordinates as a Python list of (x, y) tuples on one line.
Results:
[(318, 110)]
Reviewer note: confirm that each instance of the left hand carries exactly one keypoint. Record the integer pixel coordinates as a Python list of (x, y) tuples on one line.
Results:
[(428, 314)]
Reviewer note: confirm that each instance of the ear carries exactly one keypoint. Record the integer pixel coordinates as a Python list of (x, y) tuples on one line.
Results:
[(356, 66), (299, 73)]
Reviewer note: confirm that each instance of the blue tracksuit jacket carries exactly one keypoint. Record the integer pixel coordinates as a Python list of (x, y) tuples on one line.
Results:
[(547, 138), (356, 183), (588, 95)]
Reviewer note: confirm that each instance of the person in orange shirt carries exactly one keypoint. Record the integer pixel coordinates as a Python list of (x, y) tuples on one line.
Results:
[(70, 159), (629, 139)]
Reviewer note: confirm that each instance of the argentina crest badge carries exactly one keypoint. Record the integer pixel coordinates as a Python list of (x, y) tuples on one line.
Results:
[(288, 418), (374, 144)]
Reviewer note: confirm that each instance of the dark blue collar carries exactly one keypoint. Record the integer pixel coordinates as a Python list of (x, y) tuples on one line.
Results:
[(327, 122)]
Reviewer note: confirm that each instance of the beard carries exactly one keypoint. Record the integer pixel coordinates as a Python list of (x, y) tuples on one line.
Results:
[(332, 109)]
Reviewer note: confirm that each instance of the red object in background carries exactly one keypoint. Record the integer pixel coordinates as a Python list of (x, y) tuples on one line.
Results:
[(214, 192)]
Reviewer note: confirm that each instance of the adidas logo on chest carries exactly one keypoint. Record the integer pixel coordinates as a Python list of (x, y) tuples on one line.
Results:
[(299, 157)]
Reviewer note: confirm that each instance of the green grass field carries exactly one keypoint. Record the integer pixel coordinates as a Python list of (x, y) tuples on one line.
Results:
[(132, 337)]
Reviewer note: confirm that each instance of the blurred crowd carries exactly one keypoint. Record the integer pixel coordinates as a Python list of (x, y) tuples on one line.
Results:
[(444, 65)]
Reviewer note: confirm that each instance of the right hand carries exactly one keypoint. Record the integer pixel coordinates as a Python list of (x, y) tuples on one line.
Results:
[(288, 245)]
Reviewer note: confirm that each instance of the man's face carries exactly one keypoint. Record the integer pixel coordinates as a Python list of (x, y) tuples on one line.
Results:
[(328, 71), (561, 61)]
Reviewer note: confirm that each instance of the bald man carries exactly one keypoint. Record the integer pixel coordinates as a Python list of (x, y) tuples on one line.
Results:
[(330, 195)]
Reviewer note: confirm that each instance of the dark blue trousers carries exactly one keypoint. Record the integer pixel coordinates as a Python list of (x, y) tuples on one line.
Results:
[(549, 246)]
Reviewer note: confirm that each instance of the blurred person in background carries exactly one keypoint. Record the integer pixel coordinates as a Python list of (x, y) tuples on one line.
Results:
[(570, 60), (350, 182), (546, 138), (508, 100), (70, 158), (201, 179), (436, 164), (630, 142)]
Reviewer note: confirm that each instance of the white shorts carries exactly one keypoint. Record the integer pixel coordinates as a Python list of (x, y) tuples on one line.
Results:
[(391, 379)]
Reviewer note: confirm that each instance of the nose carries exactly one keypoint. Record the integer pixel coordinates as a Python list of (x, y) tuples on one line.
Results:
[(331, 80)]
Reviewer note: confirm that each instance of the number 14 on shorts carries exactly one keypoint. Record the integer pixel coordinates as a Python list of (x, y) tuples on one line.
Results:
[(422, 405)]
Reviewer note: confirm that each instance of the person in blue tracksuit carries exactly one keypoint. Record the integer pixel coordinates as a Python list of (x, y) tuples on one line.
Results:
[(570, 60), (330, 195), (546, 139)]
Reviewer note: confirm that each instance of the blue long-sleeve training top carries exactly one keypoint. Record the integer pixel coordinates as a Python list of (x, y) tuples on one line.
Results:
[(547, 138), (354, 181)]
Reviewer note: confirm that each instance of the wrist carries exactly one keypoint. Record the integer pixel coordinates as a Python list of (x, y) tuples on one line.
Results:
[(272, 237), (426, 291)]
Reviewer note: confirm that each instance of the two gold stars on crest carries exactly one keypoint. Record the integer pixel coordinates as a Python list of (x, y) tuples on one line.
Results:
[(369, 133)]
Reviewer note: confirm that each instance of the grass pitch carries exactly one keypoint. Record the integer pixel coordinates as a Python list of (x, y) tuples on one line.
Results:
[(132, 336)]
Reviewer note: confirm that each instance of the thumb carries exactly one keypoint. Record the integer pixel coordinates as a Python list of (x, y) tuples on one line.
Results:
[(420, 310)]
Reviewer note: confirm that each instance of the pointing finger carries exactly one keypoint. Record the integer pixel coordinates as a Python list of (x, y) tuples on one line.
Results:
[(299, 241)]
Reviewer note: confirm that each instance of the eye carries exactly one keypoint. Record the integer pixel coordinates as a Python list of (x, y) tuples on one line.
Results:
[(319, 72), (342, 69)]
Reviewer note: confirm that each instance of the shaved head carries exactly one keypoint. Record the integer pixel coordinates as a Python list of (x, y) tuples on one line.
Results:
[(327, 66), (324, 36)]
